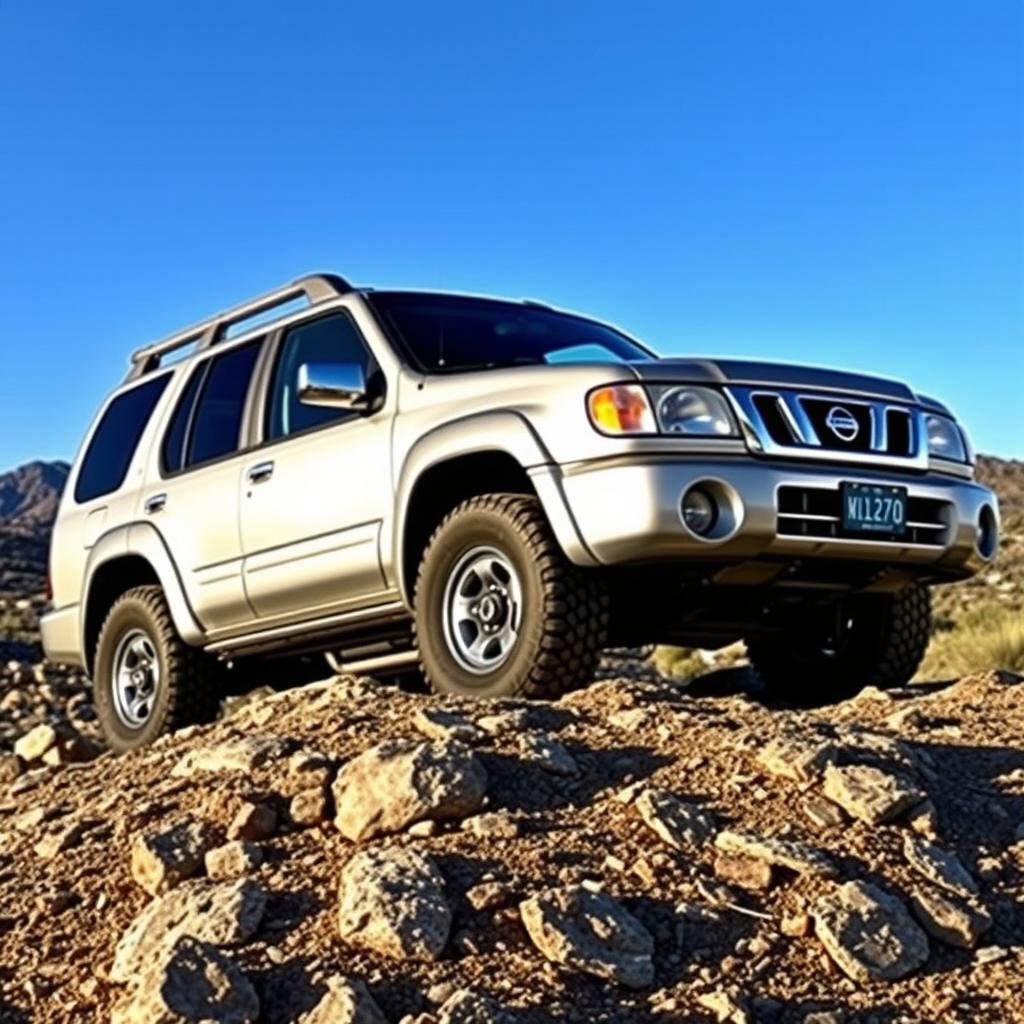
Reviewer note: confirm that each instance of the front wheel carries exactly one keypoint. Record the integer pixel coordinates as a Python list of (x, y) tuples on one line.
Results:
[(873, 640), (500, 611), (146, 680)]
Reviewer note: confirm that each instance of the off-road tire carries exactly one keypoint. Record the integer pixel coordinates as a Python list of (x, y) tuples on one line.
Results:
[(189, 690), (565, 608), (887, 639)]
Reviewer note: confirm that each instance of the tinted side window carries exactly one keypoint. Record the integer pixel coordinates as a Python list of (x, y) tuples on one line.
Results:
[(114, 441), (218, 416), (172, 454), (333, 339)]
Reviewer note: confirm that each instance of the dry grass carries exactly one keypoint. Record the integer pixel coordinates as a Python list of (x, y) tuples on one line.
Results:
[(986, 637)]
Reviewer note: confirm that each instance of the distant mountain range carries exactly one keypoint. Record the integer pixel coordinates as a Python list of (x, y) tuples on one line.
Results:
[(29, 496)]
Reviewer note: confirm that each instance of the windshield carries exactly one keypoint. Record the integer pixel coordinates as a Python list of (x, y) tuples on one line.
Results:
[(449, 333)]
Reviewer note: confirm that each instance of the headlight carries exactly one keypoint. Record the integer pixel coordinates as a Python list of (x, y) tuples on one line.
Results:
[(944, 439), (698, 412), (621, 409)]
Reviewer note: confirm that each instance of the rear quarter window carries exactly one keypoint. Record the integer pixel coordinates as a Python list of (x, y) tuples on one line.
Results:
[(113, 443)]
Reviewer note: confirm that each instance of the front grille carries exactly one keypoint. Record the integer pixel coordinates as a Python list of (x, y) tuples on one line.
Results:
[(816, 513), (790, 424)]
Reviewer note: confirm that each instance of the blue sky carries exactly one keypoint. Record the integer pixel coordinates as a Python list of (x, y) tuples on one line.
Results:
[(837, 182)]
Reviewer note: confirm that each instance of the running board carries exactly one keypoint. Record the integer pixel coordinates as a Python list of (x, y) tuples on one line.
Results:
[(379, 663), (310, 635)]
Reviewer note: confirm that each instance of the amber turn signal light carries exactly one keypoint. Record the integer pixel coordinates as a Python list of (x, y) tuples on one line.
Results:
[(621, 409)]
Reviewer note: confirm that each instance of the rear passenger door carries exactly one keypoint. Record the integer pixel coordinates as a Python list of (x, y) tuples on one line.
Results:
[(317, 490), (195, 504)]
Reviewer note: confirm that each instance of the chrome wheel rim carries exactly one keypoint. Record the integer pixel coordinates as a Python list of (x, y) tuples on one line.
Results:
[(136, 678), (483, 602)]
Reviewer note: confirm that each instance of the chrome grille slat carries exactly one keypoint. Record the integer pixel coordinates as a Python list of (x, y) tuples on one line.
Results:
[(814, 514), (786, 423)]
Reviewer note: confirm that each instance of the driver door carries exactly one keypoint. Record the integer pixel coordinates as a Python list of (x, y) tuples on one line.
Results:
[(316, 493)]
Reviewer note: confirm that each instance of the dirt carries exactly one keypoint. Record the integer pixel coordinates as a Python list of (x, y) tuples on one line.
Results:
[(61, 918)]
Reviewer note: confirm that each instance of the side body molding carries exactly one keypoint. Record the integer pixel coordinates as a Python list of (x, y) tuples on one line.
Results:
[(144, 541), (508, 432)]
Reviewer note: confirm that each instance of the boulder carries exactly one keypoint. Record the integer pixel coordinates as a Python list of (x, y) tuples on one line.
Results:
[(162, 860), (309, 806), (822, 813), (468, 1007), (797, 756), (391, 785), (254, 821), (540, 749), (488, 895), (393, 902), (796, 856), (233, 860), (36, 742), (680, 823), (346, 1001), (869, 793), (442, 724), (727, 1007), (590, 932), (223, 914), (955, 922), (493, 825), (233, 756), (194, 981), (942, 867), (869, 933)]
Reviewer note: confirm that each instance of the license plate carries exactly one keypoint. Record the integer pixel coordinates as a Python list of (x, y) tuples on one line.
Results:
[(874, 508)]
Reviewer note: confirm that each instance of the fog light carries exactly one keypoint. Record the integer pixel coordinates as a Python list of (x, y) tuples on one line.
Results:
[(700, 513), (988, 533)]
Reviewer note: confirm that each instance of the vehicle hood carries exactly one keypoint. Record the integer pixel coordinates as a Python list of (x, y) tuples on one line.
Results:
[(784, 375)]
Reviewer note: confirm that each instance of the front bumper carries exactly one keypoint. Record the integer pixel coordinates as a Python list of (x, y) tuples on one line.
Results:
[(628, 511), (61, 633)]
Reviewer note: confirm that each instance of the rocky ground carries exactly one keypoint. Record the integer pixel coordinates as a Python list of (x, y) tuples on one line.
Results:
[(634, 852)]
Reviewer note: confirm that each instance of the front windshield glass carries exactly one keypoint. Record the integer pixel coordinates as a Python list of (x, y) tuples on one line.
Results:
[(449, 333)]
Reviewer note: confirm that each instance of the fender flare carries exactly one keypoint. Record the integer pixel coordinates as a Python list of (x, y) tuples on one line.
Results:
[(143, 540), (508, 432)]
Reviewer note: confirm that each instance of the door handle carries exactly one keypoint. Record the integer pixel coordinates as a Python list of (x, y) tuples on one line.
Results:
[(155, 504), (260, 472)]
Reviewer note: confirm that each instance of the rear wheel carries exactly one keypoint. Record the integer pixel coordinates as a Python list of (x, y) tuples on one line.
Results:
[(500, 611), (147, 681), (873, 640)]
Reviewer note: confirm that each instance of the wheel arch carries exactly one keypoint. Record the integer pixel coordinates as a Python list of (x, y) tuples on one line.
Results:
[(490, 453), (132, 556)]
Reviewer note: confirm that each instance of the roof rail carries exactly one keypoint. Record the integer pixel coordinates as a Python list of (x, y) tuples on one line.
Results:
[(315, 288)]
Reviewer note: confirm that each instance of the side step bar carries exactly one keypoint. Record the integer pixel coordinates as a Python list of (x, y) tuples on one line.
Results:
[(379, 663)]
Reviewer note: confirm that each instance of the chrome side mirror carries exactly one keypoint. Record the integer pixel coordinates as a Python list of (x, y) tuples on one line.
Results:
[(333, 385)]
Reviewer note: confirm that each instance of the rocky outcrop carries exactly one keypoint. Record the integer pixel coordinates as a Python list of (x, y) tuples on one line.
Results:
[(871, 794), (681, 864), (394, 784), (589, 931), (193, 981), (222, 914), (160, 860), (680, 823), (869, 933), (393, 902)]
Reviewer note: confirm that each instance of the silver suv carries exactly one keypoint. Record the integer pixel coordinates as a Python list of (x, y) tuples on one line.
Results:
[(492, 492)]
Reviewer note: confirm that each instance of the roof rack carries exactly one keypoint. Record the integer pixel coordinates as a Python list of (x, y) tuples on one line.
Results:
[(315, 288)]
